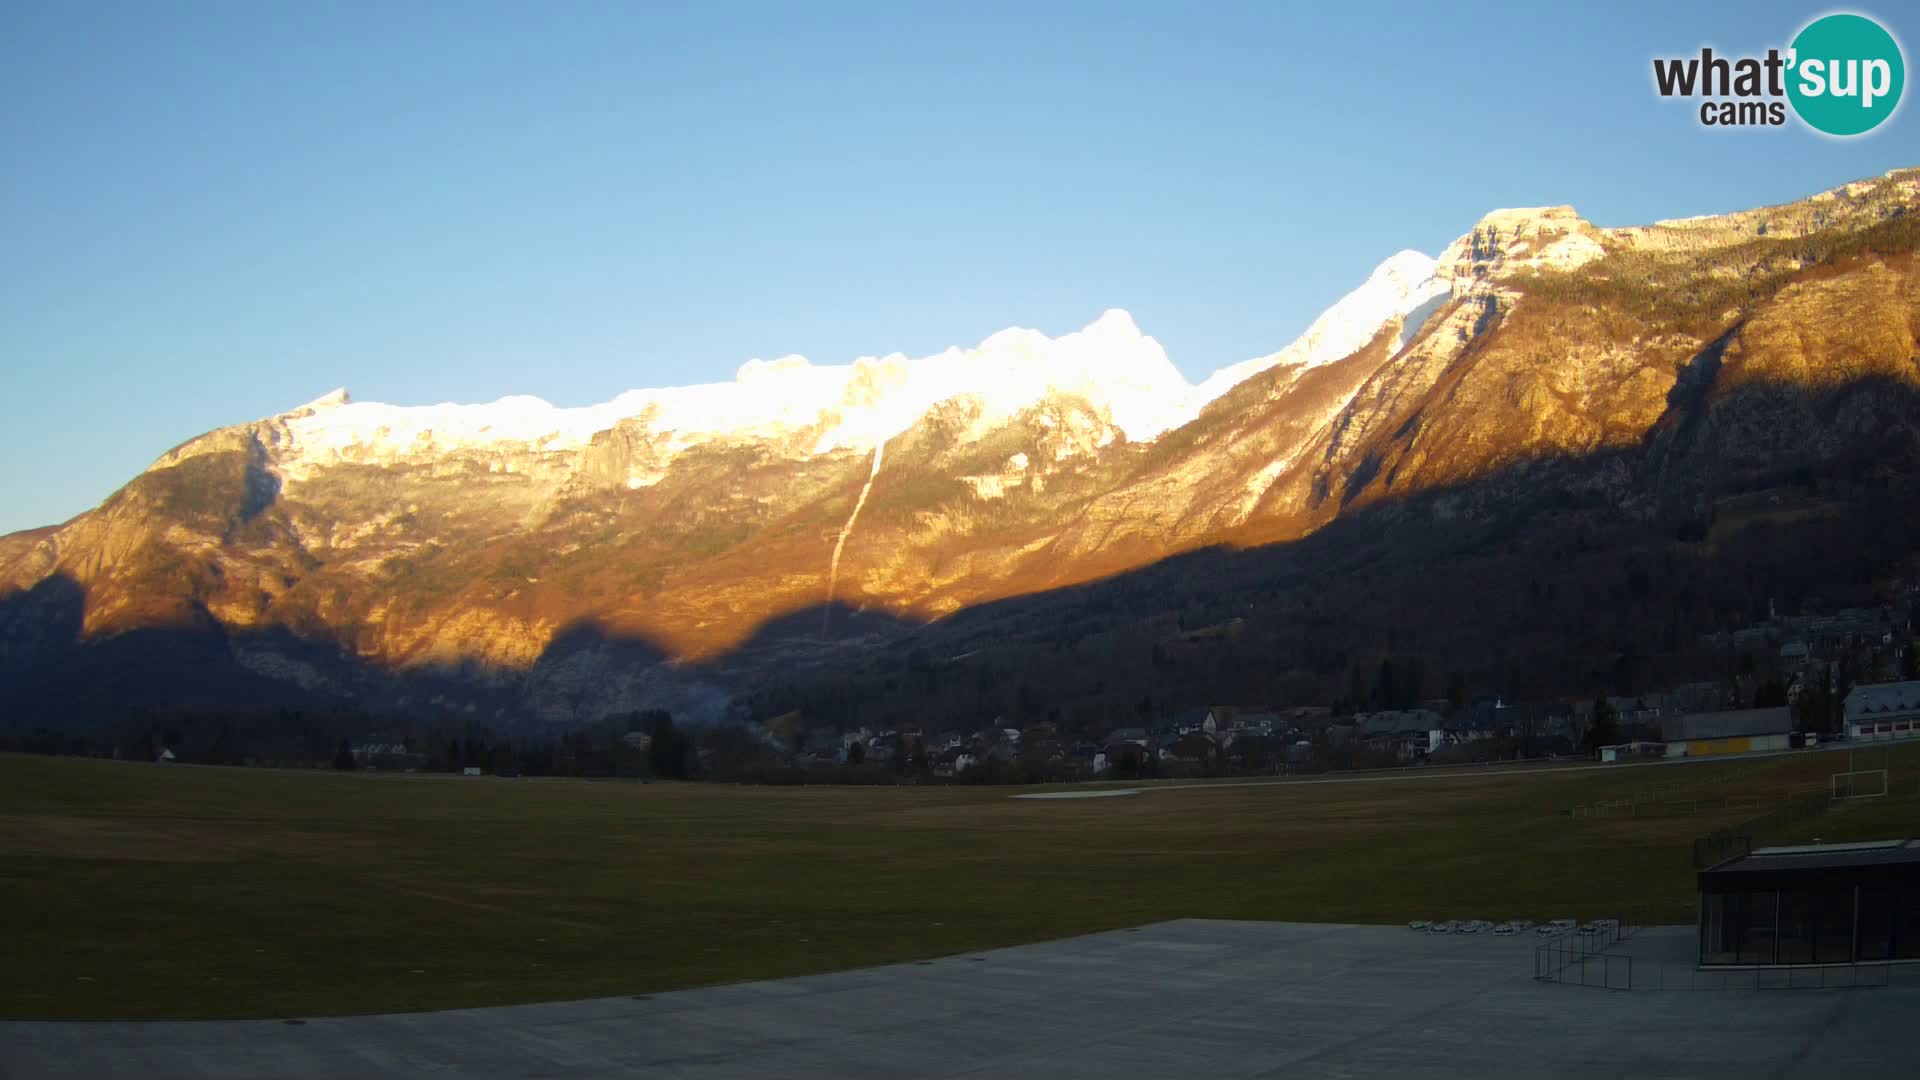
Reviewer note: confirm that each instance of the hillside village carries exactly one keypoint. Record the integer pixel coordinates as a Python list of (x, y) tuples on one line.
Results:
[(1793, 680), (1796, 680)]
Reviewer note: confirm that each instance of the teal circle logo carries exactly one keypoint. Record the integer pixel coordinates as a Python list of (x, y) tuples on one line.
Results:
[(1846, 74)]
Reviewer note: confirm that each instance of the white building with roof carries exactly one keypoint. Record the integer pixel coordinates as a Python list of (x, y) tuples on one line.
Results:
[(1884, 711)]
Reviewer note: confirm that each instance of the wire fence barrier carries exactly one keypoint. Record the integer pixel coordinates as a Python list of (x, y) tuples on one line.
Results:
[(1623, 971), (1723, 844), (1657, 976), (1596, 956), (1674, 793), (1581, 956), (1669, 807), (1735, 840)]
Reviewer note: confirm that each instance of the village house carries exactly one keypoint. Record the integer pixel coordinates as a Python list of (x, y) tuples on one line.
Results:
[(1088, 756), (1642, 717), (1698, 697), (883, 748), (1253, 750), (1039, 731), (1305, 715), (1406, 733), (1883, 711), (1483, 719), (1182, 721), (1253, 722), (387, 753), (1547, 728), (952, 761), (1193, 748)]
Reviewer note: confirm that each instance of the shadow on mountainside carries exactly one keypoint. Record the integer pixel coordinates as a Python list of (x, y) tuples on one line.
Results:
[(1547, 576), (53, 676)]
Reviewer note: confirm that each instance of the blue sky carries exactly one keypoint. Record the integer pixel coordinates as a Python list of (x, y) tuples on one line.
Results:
[(211, 212)]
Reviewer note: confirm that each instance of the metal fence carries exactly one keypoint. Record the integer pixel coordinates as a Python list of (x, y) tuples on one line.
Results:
[(1623, 971), (1723, 844), (1717, 847), (1672, 806), (1581, 957), (1694, 794), (1657, 976), (1735, 840), (1596, 958)]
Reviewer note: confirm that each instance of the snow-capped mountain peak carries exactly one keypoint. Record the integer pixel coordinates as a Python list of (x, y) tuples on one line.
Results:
[(1117, 370), (335, 397), (1120, 373), (1404, 287)]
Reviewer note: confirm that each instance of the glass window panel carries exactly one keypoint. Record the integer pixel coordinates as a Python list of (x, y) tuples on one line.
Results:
[(1816, 926), (1757, 928), (1831, 914), (1906, 945), (1722, 917), (1796, 927), (1876, 923)]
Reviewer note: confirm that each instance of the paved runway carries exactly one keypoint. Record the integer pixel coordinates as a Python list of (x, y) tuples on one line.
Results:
[(1189, 998)]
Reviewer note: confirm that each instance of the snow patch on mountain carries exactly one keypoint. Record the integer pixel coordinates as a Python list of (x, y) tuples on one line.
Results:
[(1123, 376), (1404, 284), (996, 485)]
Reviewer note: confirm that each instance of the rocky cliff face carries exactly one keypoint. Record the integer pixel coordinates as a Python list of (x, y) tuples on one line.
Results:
[(544, 565)]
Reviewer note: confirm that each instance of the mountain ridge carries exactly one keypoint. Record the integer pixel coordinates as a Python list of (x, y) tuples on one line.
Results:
[(847, 407), (419, 541)]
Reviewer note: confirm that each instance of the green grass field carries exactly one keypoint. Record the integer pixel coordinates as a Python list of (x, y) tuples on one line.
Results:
[(133, 890)]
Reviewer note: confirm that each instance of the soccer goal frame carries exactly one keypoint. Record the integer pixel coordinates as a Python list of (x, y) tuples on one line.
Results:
[(1858, 784)]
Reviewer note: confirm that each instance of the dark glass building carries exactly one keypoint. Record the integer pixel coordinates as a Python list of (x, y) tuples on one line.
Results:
[(1818, 904)]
